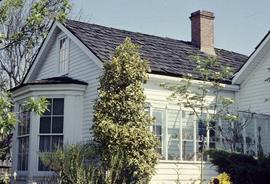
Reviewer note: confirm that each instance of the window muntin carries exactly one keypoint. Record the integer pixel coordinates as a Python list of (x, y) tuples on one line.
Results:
[(23, 139), (63, 55), (179, 134), (158, 129), (51, 129)]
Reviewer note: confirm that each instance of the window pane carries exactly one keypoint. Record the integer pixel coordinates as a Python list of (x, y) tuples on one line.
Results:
[(24, 122), (58, 106), (41, 166), (173, 124), (48, 111), (187, 137), (45, 143), (57, 142), (188, 150), (157, 128), (45, 125), (57, 125), (188, 129), (23, 153)]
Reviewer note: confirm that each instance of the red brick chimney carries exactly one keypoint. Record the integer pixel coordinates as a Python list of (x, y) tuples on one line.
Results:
[(202, 31)]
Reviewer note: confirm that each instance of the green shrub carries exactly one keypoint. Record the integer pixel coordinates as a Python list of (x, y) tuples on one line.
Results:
[(70, 164), (243, 169)]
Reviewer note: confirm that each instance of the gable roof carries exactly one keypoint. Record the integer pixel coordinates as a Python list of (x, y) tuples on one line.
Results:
[(166, 56), (253, 60)]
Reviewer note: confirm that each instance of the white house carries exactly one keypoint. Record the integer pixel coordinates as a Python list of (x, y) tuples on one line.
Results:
[(66, 71)]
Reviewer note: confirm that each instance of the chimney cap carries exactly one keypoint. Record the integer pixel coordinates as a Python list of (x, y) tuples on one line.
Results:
[(204, 13)]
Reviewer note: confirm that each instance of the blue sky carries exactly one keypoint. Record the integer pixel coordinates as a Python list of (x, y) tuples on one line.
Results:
[(239, 24)]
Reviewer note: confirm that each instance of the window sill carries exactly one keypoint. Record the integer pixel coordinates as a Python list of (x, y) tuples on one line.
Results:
[(182, 162)]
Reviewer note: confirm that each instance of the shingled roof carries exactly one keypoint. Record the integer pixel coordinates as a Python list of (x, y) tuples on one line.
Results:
[(166, 56)]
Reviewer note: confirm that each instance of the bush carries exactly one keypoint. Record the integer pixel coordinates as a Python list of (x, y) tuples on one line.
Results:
[(243, 169), (81, 164), (73, 164)]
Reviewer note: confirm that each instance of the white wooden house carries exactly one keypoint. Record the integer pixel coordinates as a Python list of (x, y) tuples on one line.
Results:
[(66, 71)]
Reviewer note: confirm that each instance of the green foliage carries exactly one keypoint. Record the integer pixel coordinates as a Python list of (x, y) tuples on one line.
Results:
[(23, 26), (38, 106), (242, 169), (193, 94), (71, 165), (120, 122), (81, 164), (8, 118)]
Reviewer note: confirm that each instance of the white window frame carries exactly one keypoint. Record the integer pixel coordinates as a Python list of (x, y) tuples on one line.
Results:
[(22, 136), (63, 66), (50, 134), (165, 108)]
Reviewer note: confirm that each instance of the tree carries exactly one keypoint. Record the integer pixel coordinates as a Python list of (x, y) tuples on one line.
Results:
[(205, 99), (120, 122), (8, 118), (23, 26)]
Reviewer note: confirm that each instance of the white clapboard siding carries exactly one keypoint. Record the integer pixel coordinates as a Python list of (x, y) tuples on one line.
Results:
[(81, 67), (254, 90), (175, 172), (49, 65)]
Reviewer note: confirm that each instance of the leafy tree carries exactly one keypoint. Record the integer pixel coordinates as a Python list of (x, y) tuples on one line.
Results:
[(120, 122), (8, 118), (205, 99), (23, 26), (195, 96)]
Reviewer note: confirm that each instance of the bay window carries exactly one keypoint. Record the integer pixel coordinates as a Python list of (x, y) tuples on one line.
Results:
[(23, 139), (51, 128)]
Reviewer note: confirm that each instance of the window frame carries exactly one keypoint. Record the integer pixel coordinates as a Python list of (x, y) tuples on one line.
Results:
[(23, 135), (50, 134), (165, 107), (66, 61)]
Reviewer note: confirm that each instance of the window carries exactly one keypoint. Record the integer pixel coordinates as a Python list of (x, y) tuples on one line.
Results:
[(180, 133), (23, 139), (51, 128), (157, 128), (63, 55)]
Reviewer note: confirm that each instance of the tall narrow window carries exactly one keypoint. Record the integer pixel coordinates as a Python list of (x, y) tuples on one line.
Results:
[(51, 128), (157, 128), (63, 55), (23, 139)]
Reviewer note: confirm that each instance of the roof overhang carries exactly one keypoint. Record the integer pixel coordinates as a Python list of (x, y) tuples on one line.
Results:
[(32, 90), (254, 59), (176, 80)]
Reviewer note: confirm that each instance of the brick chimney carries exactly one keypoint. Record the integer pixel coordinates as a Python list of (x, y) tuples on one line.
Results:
[(202, 31)]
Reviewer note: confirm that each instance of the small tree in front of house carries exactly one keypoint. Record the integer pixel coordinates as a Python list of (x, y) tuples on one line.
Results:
[(120, 122), (205, 100)]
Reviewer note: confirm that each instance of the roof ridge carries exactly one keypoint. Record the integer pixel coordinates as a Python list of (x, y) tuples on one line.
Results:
[(128, 31), (146, 34)]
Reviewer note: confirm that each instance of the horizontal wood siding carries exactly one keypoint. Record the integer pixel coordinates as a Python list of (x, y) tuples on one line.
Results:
[(254, 90), (49, 64), (82, 68), (184, 173)]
